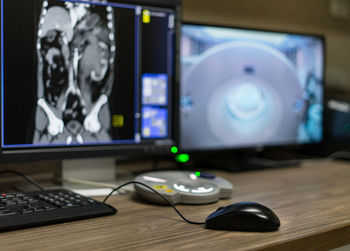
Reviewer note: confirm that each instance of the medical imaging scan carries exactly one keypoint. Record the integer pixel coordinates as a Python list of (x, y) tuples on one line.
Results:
[(76, 48), (85, 72), (247, 88)]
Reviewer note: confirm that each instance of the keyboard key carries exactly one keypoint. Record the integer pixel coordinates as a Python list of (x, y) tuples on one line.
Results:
[(6, 213)]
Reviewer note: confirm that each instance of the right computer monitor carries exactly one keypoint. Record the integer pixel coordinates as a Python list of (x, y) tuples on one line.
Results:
[(244, 88)]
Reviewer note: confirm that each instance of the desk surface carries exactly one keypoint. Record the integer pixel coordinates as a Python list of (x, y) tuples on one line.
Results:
[(312, 201)]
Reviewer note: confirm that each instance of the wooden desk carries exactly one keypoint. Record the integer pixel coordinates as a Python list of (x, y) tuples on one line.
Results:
[(312, 201)]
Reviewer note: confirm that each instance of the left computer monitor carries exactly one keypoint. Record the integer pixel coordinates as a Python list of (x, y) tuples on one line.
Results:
[(87, 78)]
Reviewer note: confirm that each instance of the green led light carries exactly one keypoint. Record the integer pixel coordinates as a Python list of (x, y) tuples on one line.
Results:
[(182, 158), (198, 174), (174, 149)]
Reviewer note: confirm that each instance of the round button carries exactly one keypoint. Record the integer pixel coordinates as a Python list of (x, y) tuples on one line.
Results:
[(160, 187)]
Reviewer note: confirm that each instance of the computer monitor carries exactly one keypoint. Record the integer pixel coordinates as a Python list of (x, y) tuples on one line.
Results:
[(88, 78), (244, 88)]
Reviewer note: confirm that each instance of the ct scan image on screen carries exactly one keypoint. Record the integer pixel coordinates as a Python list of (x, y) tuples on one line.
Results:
[(76, 48), (78, 72), (247, 88)]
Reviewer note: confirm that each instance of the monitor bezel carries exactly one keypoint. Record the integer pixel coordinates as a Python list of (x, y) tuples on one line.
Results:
[(147, 147), (293, 147)]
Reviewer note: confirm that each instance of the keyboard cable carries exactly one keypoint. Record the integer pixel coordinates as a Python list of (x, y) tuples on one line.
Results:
[(30, 180)]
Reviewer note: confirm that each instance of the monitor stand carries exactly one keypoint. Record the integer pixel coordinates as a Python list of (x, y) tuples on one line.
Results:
[(89, 177)]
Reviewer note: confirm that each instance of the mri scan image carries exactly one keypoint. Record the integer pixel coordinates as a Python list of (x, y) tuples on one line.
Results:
[(246, 88), (75, 72)]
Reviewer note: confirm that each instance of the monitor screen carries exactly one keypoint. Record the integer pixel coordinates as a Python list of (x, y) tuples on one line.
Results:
[(244, 88), (80, 76)]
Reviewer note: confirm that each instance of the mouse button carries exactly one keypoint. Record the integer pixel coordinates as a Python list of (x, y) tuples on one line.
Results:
[(253, 210), (261, 219), (247, 204), (262, 212), (222, 210), (213, 215)]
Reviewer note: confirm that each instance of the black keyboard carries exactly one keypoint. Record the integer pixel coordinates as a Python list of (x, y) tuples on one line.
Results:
[(30, 209)]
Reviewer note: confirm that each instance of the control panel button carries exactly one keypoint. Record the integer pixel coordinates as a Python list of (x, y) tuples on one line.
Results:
[(160, 187)]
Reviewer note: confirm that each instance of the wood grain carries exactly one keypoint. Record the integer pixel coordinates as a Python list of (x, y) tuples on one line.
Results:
[(312, 201)]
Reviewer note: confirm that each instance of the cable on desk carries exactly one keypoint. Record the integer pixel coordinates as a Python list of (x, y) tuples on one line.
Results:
[(25, 177), (332, 156), (338, 155), (153, 190)]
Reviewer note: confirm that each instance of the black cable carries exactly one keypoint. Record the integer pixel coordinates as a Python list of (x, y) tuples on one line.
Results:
[(24, 176), (339, 155), (153, 190)]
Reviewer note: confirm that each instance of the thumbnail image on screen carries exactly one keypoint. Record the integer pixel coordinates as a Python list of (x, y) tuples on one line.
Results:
[(248, 88), (86, 71)]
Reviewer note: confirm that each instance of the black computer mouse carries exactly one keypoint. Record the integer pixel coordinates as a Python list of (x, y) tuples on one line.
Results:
[(243, 216)]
